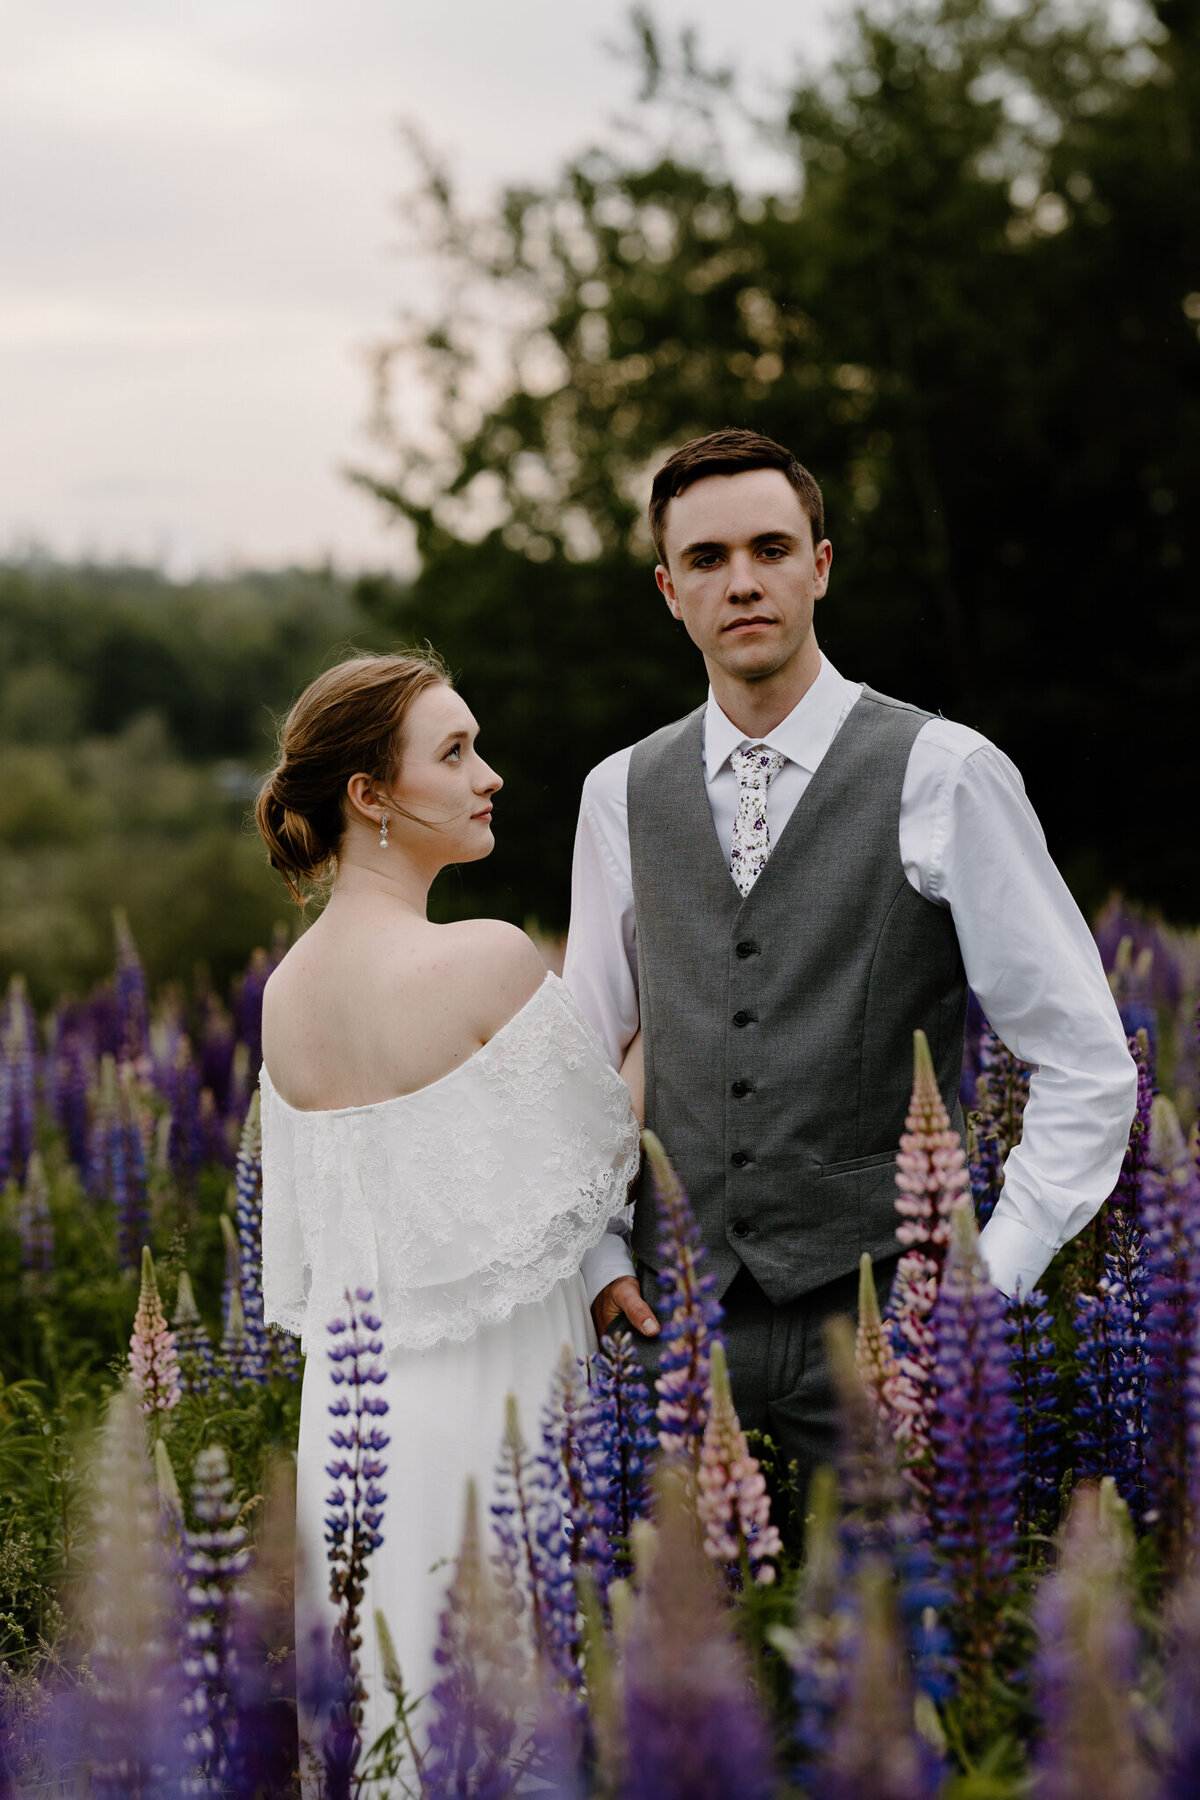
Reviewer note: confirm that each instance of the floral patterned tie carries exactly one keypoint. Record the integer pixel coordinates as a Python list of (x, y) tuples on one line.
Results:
[(755, 768)]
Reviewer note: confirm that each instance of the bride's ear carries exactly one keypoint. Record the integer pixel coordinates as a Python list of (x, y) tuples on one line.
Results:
[(365, 802)]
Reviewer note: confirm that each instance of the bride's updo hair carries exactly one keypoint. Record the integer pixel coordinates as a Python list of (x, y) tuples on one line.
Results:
[(350, 720)]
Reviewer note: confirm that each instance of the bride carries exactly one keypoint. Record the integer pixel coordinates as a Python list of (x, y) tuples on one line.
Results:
[(440, 1126)]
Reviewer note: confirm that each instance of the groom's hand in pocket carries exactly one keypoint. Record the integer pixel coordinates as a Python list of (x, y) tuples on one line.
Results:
[(623, 1299)]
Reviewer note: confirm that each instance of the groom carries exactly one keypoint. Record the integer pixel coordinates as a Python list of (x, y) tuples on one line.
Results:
[(779, 889)]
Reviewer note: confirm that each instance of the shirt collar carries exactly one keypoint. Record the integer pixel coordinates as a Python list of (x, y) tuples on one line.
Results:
[(803, 737)]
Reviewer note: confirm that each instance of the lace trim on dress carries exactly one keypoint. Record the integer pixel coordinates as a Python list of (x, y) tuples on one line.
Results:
[(457, 1203)]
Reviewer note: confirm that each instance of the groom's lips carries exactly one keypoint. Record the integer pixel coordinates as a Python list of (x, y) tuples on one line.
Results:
[(744, 624)]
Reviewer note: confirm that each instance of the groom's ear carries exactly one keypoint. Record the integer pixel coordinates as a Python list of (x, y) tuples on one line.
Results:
[(666, 588)]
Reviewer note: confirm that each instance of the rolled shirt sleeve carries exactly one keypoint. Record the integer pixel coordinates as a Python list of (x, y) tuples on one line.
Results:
[(1034, 965)]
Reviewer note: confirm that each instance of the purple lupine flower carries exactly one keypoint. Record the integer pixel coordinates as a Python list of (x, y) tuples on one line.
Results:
[(249, 1004), (179, 1084), (215, 1043), (71, 1075), (354, 1516), (1180, 1778), (1171, 1215), (475, 1701), (129, 994), (98, 1171), (692, 1312), (985, 1163), (1086, 1666), (256, 1347), (882, 1525), (692, 1723), (129, 1724), (6, 1116), (932, 1185), (1127, 1195), (1131, 979), (1035, 1392), (152, 1360), (976, 1461), (874, 1747), (818, 1648), (1110, 1328), (33, 1221), (19, 1050), (233, 1319), (193, 1346), (617, 1441), (732, 1502), (1002, 1089), (127, 1164), (216, 1558), (533, 1552)]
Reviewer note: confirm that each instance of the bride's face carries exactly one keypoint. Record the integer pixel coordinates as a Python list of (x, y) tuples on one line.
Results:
[(443, 784)]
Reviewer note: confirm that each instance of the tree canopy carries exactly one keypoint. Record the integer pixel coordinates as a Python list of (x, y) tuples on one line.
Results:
[(971, 305)]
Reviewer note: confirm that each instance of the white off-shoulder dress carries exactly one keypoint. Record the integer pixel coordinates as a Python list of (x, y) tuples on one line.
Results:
[(466, 1208)]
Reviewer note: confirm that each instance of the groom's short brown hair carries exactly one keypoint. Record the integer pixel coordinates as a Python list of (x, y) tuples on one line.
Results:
[(730, 452)]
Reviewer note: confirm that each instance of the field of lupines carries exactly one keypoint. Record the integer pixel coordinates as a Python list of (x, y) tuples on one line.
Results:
[(998, 1584)]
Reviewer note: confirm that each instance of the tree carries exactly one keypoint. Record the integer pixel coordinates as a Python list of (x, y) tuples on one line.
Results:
[(972, 308)]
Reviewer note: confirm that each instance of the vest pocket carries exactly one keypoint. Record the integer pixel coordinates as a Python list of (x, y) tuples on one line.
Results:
[(881, 1159)]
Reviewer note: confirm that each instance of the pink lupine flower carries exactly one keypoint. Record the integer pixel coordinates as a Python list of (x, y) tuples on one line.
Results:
[(933, 1185), (152, 1360), (874, 1357), (733, 1504)]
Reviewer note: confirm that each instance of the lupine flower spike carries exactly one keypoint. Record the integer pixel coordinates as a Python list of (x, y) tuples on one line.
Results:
[(217, 1556), (874, 1357), (1035, 1392), (733, 1504), (819, 1646), (692, 1724), (18, 1051), (476, 1697), (617, 1440), (355, 1515), (152, 1359), (1171, 1213), (692, 1312), (875, 1749), (1087, 1660), (976, 1464), (932, 1182), (533, 1558), (193, 1346), (256, 1343), (133, 1016), (131, 1721)]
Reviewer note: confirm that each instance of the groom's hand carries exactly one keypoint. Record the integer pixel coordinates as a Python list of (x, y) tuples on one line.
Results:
[(623, 1296)]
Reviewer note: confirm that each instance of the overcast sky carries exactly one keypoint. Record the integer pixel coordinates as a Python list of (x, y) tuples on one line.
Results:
[(197, 240)]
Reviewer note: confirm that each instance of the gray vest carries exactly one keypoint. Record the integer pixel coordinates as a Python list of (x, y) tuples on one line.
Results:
[(778, 1027)]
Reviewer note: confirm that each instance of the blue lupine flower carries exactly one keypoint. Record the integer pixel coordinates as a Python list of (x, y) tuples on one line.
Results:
[(1086, 1666), (976, 1451), (475, 1700), (127, 1163), (352, 1521), (1127, 1195), (1110, 1330), (264, 1350), (558, 1510), (1035, 1392), (216, 1556), (70, 1076), (692, 1722), (18, 1052), (617, 1440), (532, 1526), (193, 1346), (1171, 1215), (692, 1312), (129, 994)]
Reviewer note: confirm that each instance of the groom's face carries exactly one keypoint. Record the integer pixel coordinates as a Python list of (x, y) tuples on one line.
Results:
[(742, 573)]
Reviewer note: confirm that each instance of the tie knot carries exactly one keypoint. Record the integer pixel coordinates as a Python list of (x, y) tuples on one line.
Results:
[(756, 766)]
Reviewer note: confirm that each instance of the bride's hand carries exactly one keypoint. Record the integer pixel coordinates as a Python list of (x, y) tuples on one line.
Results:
[(623, 1296)]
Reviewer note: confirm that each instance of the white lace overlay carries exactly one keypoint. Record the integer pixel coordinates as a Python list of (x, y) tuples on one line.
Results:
[(459, 1202)]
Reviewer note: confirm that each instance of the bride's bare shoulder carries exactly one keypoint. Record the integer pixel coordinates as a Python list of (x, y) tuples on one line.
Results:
[(500, 961)]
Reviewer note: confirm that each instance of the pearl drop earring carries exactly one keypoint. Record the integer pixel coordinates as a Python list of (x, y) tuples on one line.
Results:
[(383, 837)]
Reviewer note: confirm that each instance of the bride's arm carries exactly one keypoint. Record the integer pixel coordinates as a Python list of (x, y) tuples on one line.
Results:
[(633, 1074)]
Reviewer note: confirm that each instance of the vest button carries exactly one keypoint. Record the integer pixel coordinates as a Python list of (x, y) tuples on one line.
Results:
[(739, 1159), (740, 1229), (742, 1017), (746, 948), (739, 1089)]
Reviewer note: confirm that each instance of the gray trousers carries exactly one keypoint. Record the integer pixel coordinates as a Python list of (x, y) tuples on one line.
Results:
[(778, 1368)]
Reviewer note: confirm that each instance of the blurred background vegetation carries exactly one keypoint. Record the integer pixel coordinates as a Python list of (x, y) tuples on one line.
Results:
[(971, 304)]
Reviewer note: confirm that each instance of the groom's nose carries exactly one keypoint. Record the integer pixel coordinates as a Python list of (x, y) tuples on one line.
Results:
[(743, 581)]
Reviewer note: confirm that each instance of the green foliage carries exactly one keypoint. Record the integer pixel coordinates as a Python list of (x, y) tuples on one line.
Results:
[(971, 307)]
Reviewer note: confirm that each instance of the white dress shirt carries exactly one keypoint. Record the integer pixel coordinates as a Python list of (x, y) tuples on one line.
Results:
[(970, 841)]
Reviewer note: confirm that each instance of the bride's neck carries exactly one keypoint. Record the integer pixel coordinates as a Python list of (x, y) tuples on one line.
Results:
[(400, 884)]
